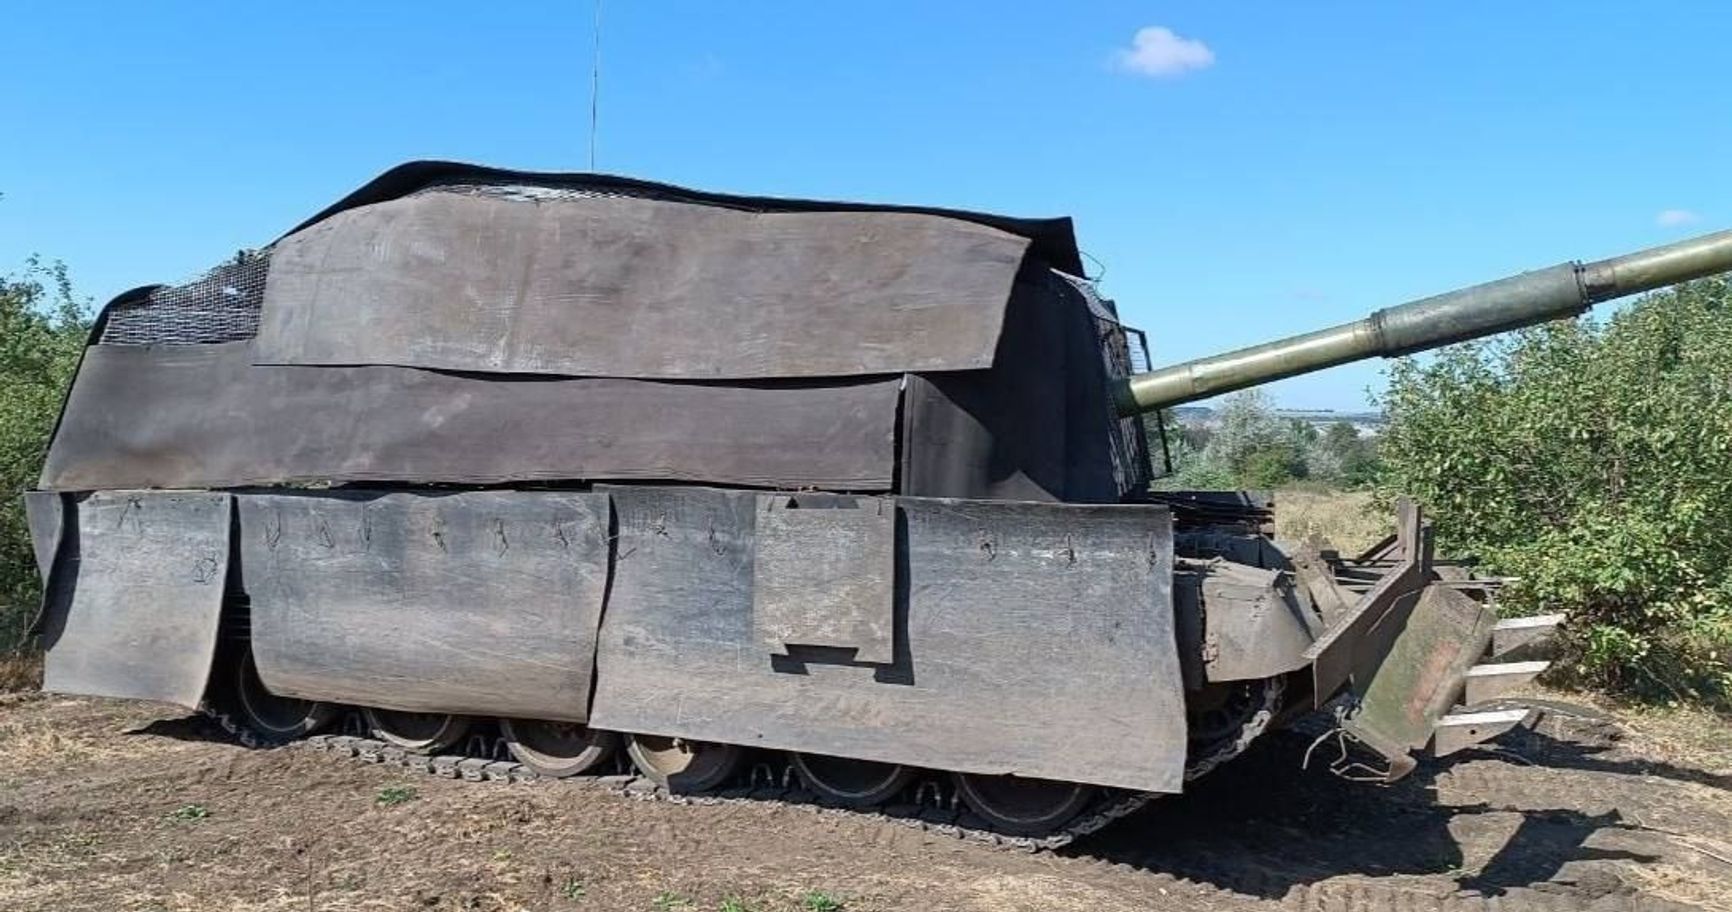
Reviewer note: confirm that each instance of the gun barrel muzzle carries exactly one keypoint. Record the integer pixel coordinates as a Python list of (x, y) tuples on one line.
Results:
[(1509, 303)]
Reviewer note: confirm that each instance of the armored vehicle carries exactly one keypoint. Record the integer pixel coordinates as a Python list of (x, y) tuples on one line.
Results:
[(500, 472)]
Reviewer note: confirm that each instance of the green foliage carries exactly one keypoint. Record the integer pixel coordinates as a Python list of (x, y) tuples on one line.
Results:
[(1594, 462), (573, 888), (42, 333), (1271, 467), (1341, 457), (393, 795), (820, 901), (1192, 471), (1253, 447), (190, 812), (668, 900)]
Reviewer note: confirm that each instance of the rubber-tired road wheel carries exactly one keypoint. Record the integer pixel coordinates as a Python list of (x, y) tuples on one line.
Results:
[(1023, 807), (422, 733), (270, 716), (679, 765), (851, 783), (557, 749)]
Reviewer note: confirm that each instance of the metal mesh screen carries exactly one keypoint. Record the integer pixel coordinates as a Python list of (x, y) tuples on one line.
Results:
[(1129, 445), (220, 306), (535, 193), (223, 304)]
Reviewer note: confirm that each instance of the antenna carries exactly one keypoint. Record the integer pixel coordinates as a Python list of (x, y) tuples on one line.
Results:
[(594, 84)]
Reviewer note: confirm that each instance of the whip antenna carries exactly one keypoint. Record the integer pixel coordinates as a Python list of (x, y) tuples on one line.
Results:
[(594, 84)]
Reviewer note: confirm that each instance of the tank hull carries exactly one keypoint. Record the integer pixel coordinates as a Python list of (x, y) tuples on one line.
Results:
[(1000, 638), (993, 638)]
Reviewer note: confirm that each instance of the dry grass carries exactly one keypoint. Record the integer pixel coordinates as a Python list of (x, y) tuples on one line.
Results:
[(1343, 518), (1688, 734), (34, 744), (20, 671), (1691, 736), (1684, 886)]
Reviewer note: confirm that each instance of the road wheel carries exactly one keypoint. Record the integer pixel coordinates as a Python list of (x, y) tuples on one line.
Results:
[(419, 732), (851, 783), (1023, 807), (272, 718), (557, 749), (679, 765)]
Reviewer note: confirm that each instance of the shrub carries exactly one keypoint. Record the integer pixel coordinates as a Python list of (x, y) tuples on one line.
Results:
[(1593, 461), (42, 332), (1341, 458), (1251, 446)]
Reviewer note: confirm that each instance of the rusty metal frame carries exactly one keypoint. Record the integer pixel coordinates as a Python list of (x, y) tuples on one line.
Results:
[(1332, 657)]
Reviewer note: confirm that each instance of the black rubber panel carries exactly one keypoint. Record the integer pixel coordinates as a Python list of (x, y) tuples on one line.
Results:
[(1009, 618), (480, 602), (204, 416), (605, 286), (138, 615)]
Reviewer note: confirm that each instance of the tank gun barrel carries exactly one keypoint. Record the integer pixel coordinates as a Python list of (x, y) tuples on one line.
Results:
[(1509, 303)]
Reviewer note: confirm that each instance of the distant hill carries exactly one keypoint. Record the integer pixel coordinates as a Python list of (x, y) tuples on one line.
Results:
[(1369, 424)]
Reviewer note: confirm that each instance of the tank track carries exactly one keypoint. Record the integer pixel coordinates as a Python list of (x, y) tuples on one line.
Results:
[(936, 808), (1258, 722)]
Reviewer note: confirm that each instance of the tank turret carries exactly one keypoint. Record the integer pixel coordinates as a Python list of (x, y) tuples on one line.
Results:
[(1509, 303)]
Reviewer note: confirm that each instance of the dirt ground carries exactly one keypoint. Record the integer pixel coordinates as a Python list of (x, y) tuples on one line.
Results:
[(116, 806)]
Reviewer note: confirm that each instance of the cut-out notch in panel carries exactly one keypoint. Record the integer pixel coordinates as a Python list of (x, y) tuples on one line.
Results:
[(825, 575)]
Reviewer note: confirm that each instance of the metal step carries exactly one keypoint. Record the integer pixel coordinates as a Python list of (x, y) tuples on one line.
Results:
[(1464, 730), (1531, 636), (1498, 679)]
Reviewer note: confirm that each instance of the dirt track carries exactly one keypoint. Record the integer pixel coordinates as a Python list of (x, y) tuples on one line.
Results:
[(118, 806)]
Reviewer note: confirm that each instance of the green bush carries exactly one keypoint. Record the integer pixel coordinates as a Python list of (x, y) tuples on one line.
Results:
[(42, 332), (1593, 461), (1252, 447)]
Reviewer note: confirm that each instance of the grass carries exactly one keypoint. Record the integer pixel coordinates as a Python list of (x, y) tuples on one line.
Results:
[(1344, 519), (668, 901), (820, 901), (28, 744), (1692, 736), (393, 795), (189, 812), (20, 671)]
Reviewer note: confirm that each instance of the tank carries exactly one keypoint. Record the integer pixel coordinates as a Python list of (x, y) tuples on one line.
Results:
[(510, 475)]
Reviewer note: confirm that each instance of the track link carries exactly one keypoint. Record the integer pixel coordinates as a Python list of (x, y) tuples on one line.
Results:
[(940, 813), (935, 809)]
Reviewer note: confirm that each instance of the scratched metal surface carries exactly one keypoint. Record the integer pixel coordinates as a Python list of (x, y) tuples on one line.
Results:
[(138, 616), (1034, 639), (630, 287), (481, 602)]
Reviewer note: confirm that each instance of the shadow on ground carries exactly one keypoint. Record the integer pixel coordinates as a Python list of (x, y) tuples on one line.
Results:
[(184, 728), (1261, 826)]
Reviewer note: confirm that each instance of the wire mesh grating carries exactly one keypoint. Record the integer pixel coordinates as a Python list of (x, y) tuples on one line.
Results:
[(220, 306)]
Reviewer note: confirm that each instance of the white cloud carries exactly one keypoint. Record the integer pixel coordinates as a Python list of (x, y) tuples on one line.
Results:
[(1671, 218), (1157, 51)]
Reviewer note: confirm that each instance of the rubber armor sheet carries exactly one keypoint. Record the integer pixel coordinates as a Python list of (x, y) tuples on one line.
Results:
[(1034, 639), (480, 602), (138, 616)]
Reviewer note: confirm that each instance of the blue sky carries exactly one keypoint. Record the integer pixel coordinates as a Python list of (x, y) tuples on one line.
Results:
[(1253, 170)]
